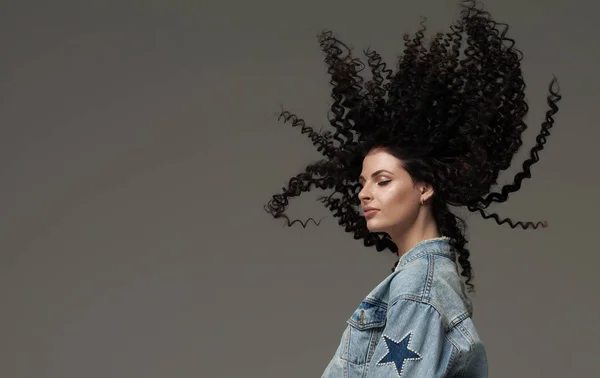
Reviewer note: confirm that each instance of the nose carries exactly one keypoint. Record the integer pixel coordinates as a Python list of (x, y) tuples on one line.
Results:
[(364, 195)]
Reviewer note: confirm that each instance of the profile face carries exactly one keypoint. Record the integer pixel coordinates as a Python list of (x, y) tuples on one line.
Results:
[(389, 198)]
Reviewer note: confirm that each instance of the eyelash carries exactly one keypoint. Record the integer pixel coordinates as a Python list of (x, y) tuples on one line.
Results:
[(380, 183)]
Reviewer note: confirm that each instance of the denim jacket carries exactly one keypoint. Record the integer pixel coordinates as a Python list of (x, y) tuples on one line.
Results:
[(416, 323)]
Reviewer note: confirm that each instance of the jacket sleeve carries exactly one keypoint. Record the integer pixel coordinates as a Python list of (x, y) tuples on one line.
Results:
[(413, 343)]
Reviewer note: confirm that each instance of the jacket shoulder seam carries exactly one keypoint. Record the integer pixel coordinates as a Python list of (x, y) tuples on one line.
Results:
[(449, 324)]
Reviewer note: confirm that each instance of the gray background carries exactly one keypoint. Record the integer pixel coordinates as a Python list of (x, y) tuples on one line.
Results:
[(139, 144)]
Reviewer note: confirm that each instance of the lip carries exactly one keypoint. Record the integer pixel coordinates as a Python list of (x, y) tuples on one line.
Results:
[(369, 213)]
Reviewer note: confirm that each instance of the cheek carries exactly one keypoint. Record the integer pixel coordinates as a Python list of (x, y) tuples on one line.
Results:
[(399, 205), (398, 198)]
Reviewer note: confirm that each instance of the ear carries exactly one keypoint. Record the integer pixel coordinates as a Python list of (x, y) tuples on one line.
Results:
[(426, 191)]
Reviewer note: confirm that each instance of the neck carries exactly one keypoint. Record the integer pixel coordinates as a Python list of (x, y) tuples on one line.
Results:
[(423, 228)]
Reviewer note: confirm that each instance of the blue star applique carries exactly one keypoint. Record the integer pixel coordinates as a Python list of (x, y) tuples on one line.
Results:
[(398, 353)]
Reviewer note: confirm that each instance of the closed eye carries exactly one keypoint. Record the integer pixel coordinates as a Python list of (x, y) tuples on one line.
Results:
[(383, 183)]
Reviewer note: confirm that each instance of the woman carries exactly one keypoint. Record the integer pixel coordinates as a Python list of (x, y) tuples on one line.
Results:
[(407, 145)]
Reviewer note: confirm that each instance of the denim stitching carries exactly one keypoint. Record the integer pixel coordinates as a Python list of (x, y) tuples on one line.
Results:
[(429, 278)]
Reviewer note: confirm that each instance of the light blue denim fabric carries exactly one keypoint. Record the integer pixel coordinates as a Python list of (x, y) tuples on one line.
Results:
[(416, 323)]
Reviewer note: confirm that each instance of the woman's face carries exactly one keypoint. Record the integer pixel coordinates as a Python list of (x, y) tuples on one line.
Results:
[(390, 191)]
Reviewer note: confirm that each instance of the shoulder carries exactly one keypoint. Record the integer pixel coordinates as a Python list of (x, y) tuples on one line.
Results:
[(428, 298), (433, 281)]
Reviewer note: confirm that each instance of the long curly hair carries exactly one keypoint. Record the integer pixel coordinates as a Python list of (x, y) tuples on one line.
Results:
[(454, 118)]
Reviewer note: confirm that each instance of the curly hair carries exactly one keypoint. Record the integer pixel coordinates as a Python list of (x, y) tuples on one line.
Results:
[(454, 119)]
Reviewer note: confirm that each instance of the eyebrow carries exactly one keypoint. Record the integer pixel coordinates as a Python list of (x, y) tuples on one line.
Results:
[(375, 174)]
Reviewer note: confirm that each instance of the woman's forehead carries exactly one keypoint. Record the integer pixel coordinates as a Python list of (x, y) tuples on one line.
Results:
[(380, 160)]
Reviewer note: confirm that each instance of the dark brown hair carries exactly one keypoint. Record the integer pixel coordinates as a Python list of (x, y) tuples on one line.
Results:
[(453, 118)]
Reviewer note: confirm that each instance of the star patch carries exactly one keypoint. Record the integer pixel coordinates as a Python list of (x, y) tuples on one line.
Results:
[(398, 353)]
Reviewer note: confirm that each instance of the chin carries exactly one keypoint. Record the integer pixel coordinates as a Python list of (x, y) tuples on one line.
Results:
[(374, 226)]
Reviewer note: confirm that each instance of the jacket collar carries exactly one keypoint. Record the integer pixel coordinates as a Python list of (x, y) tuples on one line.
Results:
[(436, 246)]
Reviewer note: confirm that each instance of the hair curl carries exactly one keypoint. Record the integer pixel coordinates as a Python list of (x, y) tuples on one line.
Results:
[(454, 120)]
